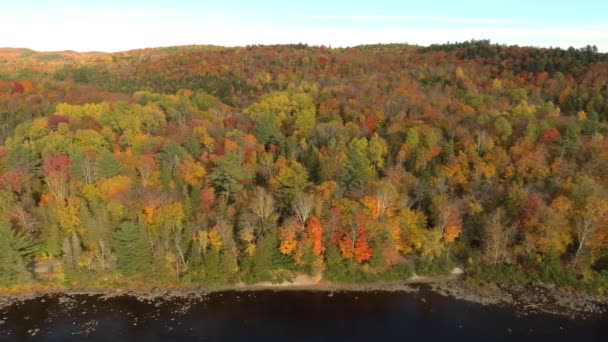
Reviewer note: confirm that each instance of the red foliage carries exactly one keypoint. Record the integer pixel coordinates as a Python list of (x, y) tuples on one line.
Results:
[(550, 136), (56, 164), (18, 88), (370, 122), (230, 122), (529, 208), (12, 180), (207, 197), (54, 120), (3, 152)]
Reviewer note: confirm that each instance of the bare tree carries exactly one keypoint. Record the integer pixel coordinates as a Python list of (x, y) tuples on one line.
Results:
[(588, 221), (263, 207), (496, 238), (302, 206)]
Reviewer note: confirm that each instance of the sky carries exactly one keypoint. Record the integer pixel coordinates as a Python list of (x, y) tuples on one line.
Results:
[(118, 25)]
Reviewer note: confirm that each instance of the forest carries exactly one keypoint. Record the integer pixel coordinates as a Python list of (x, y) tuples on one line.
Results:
[(208, 165)]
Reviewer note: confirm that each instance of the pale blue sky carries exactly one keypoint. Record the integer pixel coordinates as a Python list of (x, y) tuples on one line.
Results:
[(115, 25)]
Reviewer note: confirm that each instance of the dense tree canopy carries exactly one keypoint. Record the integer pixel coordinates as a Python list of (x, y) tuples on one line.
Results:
[(212, 165)]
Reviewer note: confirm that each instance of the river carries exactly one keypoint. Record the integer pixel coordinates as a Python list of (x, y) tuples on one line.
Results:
[(286, 316)]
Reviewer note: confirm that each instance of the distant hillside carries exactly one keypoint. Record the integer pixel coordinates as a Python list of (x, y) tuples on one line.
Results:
[(213, 165)]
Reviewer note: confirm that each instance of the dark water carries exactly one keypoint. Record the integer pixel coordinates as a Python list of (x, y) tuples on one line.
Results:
[(286, 316)]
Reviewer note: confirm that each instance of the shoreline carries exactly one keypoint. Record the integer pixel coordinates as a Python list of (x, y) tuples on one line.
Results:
[(529, 299)]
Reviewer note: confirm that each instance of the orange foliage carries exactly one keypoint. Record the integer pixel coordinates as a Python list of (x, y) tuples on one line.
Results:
[(315, 233), (362, 251), (453, 227), (288, 236)]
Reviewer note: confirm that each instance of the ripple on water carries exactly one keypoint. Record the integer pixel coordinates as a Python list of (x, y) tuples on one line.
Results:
[(288, 315)]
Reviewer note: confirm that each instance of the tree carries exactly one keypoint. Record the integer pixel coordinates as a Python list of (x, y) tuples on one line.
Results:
[(268, 130), (377, 151), (57, 174), (108, 165), (496, 238), (262, 206), (291, 179), (315, 234), (133, 251), (288, 234), (362, 251), (16, 249), (83, 166), (192, 172), (302, 206), (357, 166), (228, 174), (588, 221), (503, 128)]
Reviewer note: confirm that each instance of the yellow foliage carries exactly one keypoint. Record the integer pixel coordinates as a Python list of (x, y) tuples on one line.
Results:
[(582, 116), (215, 240), (192, 172), (91, 192), (114, 186), (562, 204), (326, 190), (68, 215), (202, 239), (288, 240), (396, 237), (116, 209), (372, 205), (250, 249), (149, 213)]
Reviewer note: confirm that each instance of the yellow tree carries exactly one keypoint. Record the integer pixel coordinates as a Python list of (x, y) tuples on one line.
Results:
[(588, 222)]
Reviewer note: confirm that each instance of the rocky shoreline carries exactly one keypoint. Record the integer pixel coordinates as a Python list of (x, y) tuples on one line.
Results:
[(529, 299)]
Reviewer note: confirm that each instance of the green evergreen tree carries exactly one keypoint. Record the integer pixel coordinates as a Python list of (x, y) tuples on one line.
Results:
[(134, 255), (16, 249), (357, 166), (228, 174), (262, 258), (211, 263), (108, 165), (268, 129), (591, 124)]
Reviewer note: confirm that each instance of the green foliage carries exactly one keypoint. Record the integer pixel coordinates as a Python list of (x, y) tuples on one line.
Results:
[(16, 250), (108, 165), (268, 129), (501, 273), (133, 250), (396, 273), (427, 266), (357, 167), (228, 174), (490, 156), (263, 257), (211, 264)]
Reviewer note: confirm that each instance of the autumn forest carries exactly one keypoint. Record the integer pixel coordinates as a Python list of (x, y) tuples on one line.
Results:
[(210, 166)]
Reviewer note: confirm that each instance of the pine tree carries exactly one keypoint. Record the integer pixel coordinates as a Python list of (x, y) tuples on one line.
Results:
[(262, 258), (357, 166), (133, 252), (228, 174), (211, 263), (108, 166), (15, 251), (268, 130)]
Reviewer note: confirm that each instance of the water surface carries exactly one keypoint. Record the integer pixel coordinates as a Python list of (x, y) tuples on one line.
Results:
[(286, 316)]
